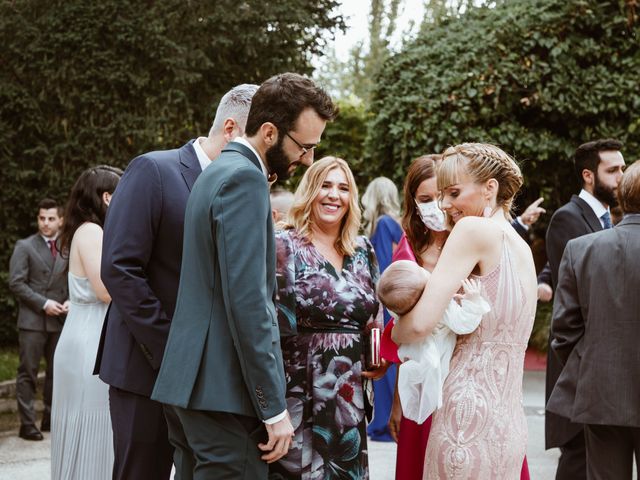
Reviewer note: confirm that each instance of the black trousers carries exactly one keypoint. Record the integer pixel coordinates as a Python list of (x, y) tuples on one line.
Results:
[(34, 345), (140, 442), (610, 451), (572, 464), (217, 445)]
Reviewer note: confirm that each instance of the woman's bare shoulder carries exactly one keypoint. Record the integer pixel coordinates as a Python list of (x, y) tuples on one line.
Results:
[(87, 232), (481, 231)]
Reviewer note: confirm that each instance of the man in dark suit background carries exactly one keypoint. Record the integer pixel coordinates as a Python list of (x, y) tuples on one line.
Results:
[(596, 333), (38, 279), (222, 369), (599, 165), (141, 257)]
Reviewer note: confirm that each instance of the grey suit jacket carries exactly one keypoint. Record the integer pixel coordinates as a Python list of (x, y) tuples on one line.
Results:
[(596, 325), (574, 219), (34, 277), (223, 351)]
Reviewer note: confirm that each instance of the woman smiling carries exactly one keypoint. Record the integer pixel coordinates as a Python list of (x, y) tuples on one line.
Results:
[(326, 301)]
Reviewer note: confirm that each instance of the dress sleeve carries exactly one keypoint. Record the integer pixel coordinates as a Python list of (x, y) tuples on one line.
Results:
[(286, 278), (404, 251)]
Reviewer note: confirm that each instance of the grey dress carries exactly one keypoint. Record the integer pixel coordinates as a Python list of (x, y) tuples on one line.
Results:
[(81, 437)]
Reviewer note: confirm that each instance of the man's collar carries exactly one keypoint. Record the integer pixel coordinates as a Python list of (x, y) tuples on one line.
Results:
[(596, 205), (203, 158), (270, 178)]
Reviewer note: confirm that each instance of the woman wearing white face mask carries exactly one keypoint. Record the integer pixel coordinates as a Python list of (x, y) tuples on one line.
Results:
[(422, 243)]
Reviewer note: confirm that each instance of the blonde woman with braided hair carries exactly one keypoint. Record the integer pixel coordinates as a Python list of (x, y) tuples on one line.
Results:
[(480, 431)]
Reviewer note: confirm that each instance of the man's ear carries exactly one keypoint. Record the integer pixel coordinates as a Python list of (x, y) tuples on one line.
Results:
[(269, 133), (230, 129), (588, 177)]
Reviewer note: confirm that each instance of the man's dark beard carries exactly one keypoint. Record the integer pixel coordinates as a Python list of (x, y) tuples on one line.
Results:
[(605, 194), (277, 161)]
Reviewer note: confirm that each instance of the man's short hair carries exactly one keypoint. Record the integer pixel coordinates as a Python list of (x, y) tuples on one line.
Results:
[(629, 189), (234, 104), (47, 203), (587, 155), (282, 98)]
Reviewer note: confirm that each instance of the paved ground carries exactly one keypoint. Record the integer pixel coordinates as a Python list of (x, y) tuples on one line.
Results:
[(21, 460)]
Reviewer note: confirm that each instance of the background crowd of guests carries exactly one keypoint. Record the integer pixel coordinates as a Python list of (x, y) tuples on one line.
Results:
[(227, 322)]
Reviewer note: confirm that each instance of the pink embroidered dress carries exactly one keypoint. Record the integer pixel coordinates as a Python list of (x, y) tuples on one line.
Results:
[(481, 430)]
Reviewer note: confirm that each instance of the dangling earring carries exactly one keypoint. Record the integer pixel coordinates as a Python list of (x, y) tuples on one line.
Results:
[(486, 213)]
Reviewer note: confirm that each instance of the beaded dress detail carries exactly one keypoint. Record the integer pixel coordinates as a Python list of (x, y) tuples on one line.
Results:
[(481, 431)]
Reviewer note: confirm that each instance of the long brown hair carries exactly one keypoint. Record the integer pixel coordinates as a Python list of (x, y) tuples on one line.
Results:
[(85, 202), (421, 169)]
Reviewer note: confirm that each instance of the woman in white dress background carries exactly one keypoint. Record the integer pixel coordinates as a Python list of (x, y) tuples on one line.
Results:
[(81, 436)]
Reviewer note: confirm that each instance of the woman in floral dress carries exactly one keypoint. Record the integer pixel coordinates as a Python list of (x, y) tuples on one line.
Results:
[(326, 306)]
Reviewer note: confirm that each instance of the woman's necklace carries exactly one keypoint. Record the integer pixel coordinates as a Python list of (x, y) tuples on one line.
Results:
[(436, 246)]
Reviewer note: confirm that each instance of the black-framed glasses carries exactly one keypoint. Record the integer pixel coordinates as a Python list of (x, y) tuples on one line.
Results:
[(305, 148)]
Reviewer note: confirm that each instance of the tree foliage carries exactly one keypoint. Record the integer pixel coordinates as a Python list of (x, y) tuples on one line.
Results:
[(86, 83), (537, 77)]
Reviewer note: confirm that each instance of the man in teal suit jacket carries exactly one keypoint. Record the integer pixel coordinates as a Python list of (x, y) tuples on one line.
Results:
[(222, 368)]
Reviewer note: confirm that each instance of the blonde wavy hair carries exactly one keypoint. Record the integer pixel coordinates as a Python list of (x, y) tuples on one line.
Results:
[(300, 215), (380, 198), (482, 162)]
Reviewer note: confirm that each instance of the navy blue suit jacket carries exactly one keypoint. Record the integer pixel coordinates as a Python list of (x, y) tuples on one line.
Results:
[(141, 257)]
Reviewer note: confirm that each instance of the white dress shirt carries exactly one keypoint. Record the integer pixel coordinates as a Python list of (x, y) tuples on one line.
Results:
[(47, 240), (203, 158)]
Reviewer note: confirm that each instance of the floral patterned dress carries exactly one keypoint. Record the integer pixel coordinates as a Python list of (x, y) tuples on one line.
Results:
[(323, 317)]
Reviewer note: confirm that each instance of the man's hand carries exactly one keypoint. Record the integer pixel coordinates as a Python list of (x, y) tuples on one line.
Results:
[(53, 308), (378, 372), (532, 212), (396, 416), (280, 435), (65, 305), (545, 292)]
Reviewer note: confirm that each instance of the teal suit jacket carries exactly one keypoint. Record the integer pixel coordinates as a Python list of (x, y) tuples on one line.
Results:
[(223, 351)]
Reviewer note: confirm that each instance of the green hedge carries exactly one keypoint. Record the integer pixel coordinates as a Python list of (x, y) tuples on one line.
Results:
[(84, 83), (538, 77)]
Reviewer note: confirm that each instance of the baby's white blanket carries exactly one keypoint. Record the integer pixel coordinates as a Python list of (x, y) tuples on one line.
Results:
[(426, 362)]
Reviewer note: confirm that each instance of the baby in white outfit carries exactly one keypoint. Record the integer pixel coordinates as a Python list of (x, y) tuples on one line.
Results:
[(426, 362)]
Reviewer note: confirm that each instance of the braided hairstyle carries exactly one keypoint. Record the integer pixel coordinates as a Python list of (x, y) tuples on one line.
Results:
[(482, 162)]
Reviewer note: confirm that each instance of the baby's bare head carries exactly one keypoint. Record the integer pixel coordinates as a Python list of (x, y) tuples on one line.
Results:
[(401, 286)]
